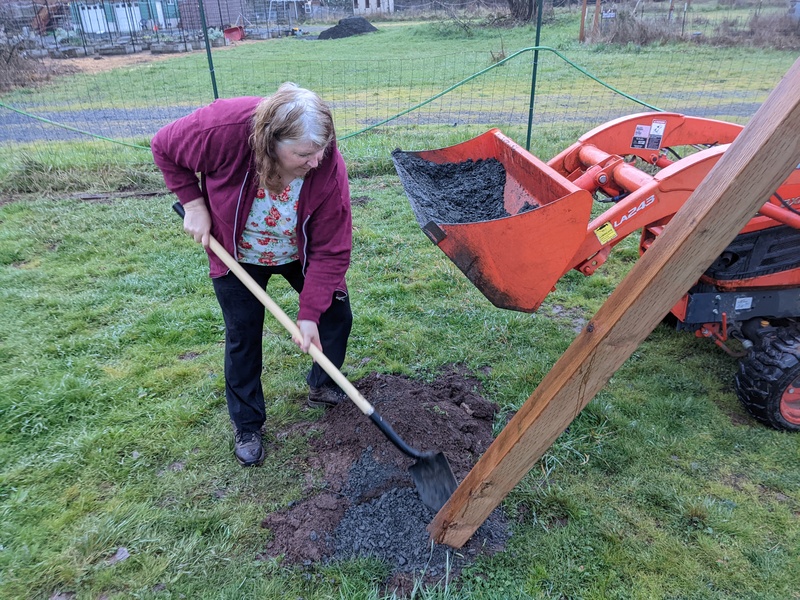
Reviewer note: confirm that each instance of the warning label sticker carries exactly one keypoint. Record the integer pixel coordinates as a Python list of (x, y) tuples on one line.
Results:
[(656, 135), (605, 233), (649, 136), (640, 136)]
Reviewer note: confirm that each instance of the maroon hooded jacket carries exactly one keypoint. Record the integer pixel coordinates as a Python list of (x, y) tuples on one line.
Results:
[(213, 142)]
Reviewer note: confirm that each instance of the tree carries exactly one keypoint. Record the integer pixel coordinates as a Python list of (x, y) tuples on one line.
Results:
[(522, 10)]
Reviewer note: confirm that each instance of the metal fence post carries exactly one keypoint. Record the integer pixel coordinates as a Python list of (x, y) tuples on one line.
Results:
[(208, 49), (540, 7)]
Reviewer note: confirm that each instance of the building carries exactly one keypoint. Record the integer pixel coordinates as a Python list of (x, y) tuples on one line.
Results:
[(371, 7)]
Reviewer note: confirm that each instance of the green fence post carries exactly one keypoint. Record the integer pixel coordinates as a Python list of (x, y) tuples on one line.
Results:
[(540, 7), (208, 49)]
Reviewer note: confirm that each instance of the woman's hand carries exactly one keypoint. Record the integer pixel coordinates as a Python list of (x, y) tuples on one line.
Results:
[(310, 334), (197, 222)]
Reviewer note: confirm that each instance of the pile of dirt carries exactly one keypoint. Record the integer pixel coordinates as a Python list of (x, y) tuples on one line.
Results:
[(347, 27), (365, 503), (464, 192)]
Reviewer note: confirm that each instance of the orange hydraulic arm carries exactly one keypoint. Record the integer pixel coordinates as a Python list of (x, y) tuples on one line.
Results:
[(515, 261), (651, 198)]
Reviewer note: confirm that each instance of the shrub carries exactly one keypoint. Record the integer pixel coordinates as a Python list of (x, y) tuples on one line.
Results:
[(780, 32), (630, 29), (21, 70)]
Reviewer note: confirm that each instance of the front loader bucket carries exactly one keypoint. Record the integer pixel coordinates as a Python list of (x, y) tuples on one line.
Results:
[(511, 223)]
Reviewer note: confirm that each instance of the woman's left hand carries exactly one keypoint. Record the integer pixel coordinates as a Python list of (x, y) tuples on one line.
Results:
[(310, 334)]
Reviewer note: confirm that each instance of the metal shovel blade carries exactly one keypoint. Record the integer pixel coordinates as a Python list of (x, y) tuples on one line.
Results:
[(434, 479)]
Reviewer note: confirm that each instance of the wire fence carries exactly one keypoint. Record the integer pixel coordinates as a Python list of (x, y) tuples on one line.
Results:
[(57, 28), (109, 27), (60, 29), (775, 22), (381, 104)]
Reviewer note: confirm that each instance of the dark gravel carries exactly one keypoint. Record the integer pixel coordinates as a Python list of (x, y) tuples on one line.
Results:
[(463, 192), (392, 529), (368, 478)]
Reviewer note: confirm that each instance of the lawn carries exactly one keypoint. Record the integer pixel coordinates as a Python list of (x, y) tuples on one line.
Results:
[(116, 477)]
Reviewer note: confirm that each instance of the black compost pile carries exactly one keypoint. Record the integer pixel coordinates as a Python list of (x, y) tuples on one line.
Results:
[(347, 27)]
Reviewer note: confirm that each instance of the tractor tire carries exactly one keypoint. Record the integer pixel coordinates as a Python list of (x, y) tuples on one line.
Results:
[(768, 381)]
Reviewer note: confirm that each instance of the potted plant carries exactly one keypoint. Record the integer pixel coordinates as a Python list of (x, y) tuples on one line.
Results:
[(216, 37)]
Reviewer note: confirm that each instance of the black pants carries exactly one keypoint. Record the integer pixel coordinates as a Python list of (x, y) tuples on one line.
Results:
[(244, 324)]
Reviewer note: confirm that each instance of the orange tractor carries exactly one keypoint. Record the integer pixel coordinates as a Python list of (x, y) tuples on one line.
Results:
[(515, 225)]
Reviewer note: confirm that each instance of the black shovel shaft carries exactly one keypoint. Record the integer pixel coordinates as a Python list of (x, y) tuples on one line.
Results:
[(387, 430)]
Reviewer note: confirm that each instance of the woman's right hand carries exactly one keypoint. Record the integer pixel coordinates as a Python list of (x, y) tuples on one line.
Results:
[(197, 221)]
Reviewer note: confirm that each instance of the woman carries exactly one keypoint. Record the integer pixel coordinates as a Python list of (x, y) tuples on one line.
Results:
[(273, 190)]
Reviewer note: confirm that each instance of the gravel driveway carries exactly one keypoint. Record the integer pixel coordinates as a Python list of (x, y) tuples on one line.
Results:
[(115, 123), (132, 123)]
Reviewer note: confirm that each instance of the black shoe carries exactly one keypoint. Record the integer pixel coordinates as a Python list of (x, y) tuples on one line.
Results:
[(325, 396), (248, 448)]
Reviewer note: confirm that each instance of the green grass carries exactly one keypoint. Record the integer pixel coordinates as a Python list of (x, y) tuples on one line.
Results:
[(115, 435), (113, 426), (372, 78)]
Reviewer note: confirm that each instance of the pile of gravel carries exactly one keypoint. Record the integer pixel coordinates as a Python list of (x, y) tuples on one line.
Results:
[(365, 503), (465, 192)]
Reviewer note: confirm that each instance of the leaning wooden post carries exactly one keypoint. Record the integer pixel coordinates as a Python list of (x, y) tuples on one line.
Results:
[(756, 163)]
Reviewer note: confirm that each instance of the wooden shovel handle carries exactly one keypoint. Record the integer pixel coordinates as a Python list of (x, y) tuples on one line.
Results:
[(319, 357)]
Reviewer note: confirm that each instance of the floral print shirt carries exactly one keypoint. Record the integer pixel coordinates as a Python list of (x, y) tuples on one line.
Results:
[(270, 236)]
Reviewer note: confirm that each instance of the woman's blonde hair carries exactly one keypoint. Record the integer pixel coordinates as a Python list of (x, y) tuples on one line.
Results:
[(292, 114)]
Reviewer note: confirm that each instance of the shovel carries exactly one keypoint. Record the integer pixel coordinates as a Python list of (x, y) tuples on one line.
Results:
[(431, 472)]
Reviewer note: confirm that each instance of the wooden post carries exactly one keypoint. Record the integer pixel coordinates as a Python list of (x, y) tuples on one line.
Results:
[(582, 32), (756, 163), (598, 8)]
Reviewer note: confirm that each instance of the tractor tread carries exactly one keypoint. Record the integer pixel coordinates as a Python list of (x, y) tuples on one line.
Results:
[(765, 373)]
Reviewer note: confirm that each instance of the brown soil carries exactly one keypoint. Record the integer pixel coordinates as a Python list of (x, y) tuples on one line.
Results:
[(365, 502), (101, 64)]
